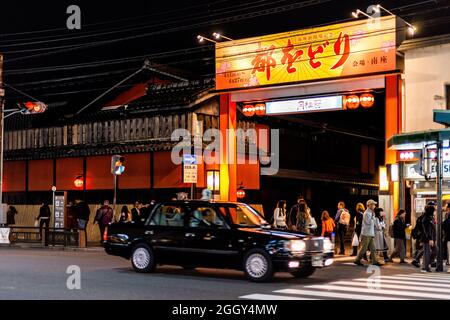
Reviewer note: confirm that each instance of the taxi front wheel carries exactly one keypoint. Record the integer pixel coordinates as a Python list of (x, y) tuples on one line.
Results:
[(143, 258), (258, 265)]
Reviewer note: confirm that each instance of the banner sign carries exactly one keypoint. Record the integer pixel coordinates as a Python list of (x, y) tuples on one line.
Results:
[(304, 105), (353, 48)]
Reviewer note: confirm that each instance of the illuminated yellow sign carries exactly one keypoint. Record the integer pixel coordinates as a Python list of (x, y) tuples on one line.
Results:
[(353, 48)]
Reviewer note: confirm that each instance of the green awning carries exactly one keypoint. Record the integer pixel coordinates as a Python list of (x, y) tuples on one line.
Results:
[(442, 117), (417, 140)]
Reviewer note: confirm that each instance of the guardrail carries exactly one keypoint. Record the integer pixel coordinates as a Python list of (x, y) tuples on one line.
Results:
[(53, 236)]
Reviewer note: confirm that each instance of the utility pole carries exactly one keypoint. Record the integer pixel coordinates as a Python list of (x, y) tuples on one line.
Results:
[(2, 122)]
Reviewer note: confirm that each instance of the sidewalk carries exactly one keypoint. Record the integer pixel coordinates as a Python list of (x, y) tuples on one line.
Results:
[(89, 248)]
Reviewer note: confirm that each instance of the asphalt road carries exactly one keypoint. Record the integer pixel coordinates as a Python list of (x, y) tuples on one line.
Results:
[(42, 274)]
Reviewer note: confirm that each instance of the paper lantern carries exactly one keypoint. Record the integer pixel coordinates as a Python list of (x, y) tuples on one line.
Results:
[(248, 110), (240, 194), (352, 102), (78, 182), (367, 100), (260, 109)]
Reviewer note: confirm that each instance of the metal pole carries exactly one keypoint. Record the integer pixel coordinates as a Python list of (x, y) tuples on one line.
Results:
[(439, 170), (115, 197), (1, 150)]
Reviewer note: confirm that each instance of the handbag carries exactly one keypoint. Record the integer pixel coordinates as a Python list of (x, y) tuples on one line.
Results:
[(36, 223), (355, 240)]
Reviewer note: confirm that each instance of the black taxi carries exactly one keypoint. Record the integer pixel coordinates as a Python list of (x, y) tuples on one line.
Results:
[(216, 234)]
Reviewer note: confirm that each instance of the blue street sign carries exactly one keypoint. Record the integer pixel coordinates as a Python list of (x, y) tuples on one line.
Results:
[(189, 159)]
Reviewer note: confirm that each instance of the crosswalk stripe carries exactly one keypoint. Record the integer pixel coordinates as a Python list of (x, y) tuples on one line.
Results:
[(258, 296), (426, 284), (335, 295), (381, 291), (394, 286), (424, 279), (426, 276)]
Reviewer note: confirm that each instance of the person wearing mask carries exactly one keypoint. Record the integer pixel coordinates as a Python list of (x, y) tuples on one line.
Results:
[(428, 238), (446, 231), (44, 218), (342, 221), (368, 235), (279, 216), (103, 217), (380, 234), (327, 225), (358, 224), (399, 234)]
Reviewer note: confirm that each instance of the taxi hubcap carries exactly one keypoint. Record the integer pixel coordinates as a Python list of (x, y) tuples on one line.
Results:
[(256, 265), (141, 258)]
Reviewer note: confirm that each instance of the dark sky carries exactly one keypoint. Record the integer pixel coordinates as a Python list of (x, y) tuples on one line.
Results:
[(34, 36)]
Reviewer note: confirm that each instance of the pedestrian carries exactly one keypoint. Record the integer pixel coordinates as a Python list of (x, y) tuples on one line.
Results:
[(293, 213), (399, 235), (72, 216), (136, 212), (416, 234), (380, 234), (84, 213), (342, 221), (358, 224), (279, 216), (368, 235), (327, 225), (446, 230), (311, 224), (103, 217), (125, 215), (428, 238), (11, 216), (302, 218), (44, 218)]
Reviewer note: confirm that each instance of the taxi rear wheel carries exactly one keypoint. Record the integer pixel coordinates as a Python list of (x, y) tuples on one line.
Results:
[(143, 258), (258, 265), (303, 272)]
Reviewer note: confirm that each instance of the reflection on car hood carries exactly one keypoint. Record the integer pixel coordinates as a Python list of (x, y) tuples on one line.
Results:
[(275, 233)]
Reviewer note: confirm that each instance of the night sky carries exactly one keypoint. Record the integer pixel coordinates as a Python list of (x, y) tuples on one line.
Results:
[(42, 57)]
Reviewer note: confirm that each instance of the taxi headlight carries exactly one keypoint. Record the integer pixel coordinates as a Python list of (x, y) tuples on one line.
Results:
[(327, 245), (296, 245)]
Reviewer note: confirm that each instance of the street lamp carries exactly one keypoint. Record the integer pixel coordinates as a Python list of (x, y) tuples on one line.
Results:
[(218, 36), (411, 28), (201, 39), (356, 13)]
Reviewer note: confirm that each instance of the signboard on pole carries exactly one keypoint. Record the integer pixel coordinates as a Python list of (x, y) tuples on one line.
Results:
[(189, 168), (4, 235), (60, 207)]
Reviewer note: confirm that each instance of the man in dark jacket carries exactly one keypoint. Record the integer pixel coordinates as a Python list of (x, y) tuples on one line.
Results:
[(44, 218), (103, 217), (83, 214), (428, 238), (399, 237), (136, 212), (446, 230), (292, 218)]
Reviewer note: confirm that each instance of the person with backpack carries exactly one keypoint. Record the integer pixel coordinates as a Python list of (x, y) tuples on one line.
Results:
[(279, 216), (399, 234), (428, 238)]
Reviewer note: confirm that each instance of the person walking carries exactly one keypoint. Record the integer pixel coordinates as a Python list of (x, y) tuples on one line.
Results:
[(446, 231), (103, 217), (428, 238), (358, 224), (125, 215), (380, 234), (291, 219), (44, 218), (327, 225), (342, 221), (416, 234), (11, 216), (302, 218), (279, 216), (368, 235), (399, 235)]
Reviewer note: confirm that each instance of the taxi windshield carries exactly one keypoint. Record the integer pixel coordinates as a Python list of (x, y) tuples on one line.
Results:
[(245, 216)]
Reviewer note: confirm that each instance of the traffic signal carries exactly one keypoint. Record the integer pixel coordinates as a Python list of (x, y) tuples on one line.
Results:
[(117, 167), (32, 107)]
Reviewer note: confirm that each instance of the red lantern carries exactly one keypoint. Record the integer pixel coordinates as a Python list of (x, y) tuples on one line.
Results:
[(352, 101), (248, 110), (78, 182), (367, 100), (260, 109), (240, 194)]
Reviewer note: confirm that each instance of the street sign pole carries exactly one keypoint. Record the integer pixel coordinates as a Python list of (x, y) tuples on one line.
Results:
[(115, 197), (439, 171)]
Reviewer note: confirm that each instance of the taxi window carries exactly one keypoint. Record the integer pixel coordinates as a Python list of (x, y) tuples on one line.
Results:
[(169, 215), (206, 217)]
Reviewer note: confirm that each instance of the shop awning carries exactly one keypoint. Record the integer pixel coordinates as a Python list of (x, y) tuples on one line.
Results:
[(417, 140), (442, 117)]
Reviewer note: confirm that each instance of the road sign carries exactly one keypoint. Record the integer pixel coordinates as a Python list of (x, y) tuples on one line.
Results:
[(189, 168)]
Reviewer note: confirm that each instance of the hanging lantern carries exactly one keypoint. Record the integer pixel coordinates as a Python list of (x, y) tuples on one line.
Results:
[(240, 194), (260, 109), (352, 101), (367, 100), (78, 182), (248, 110)]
